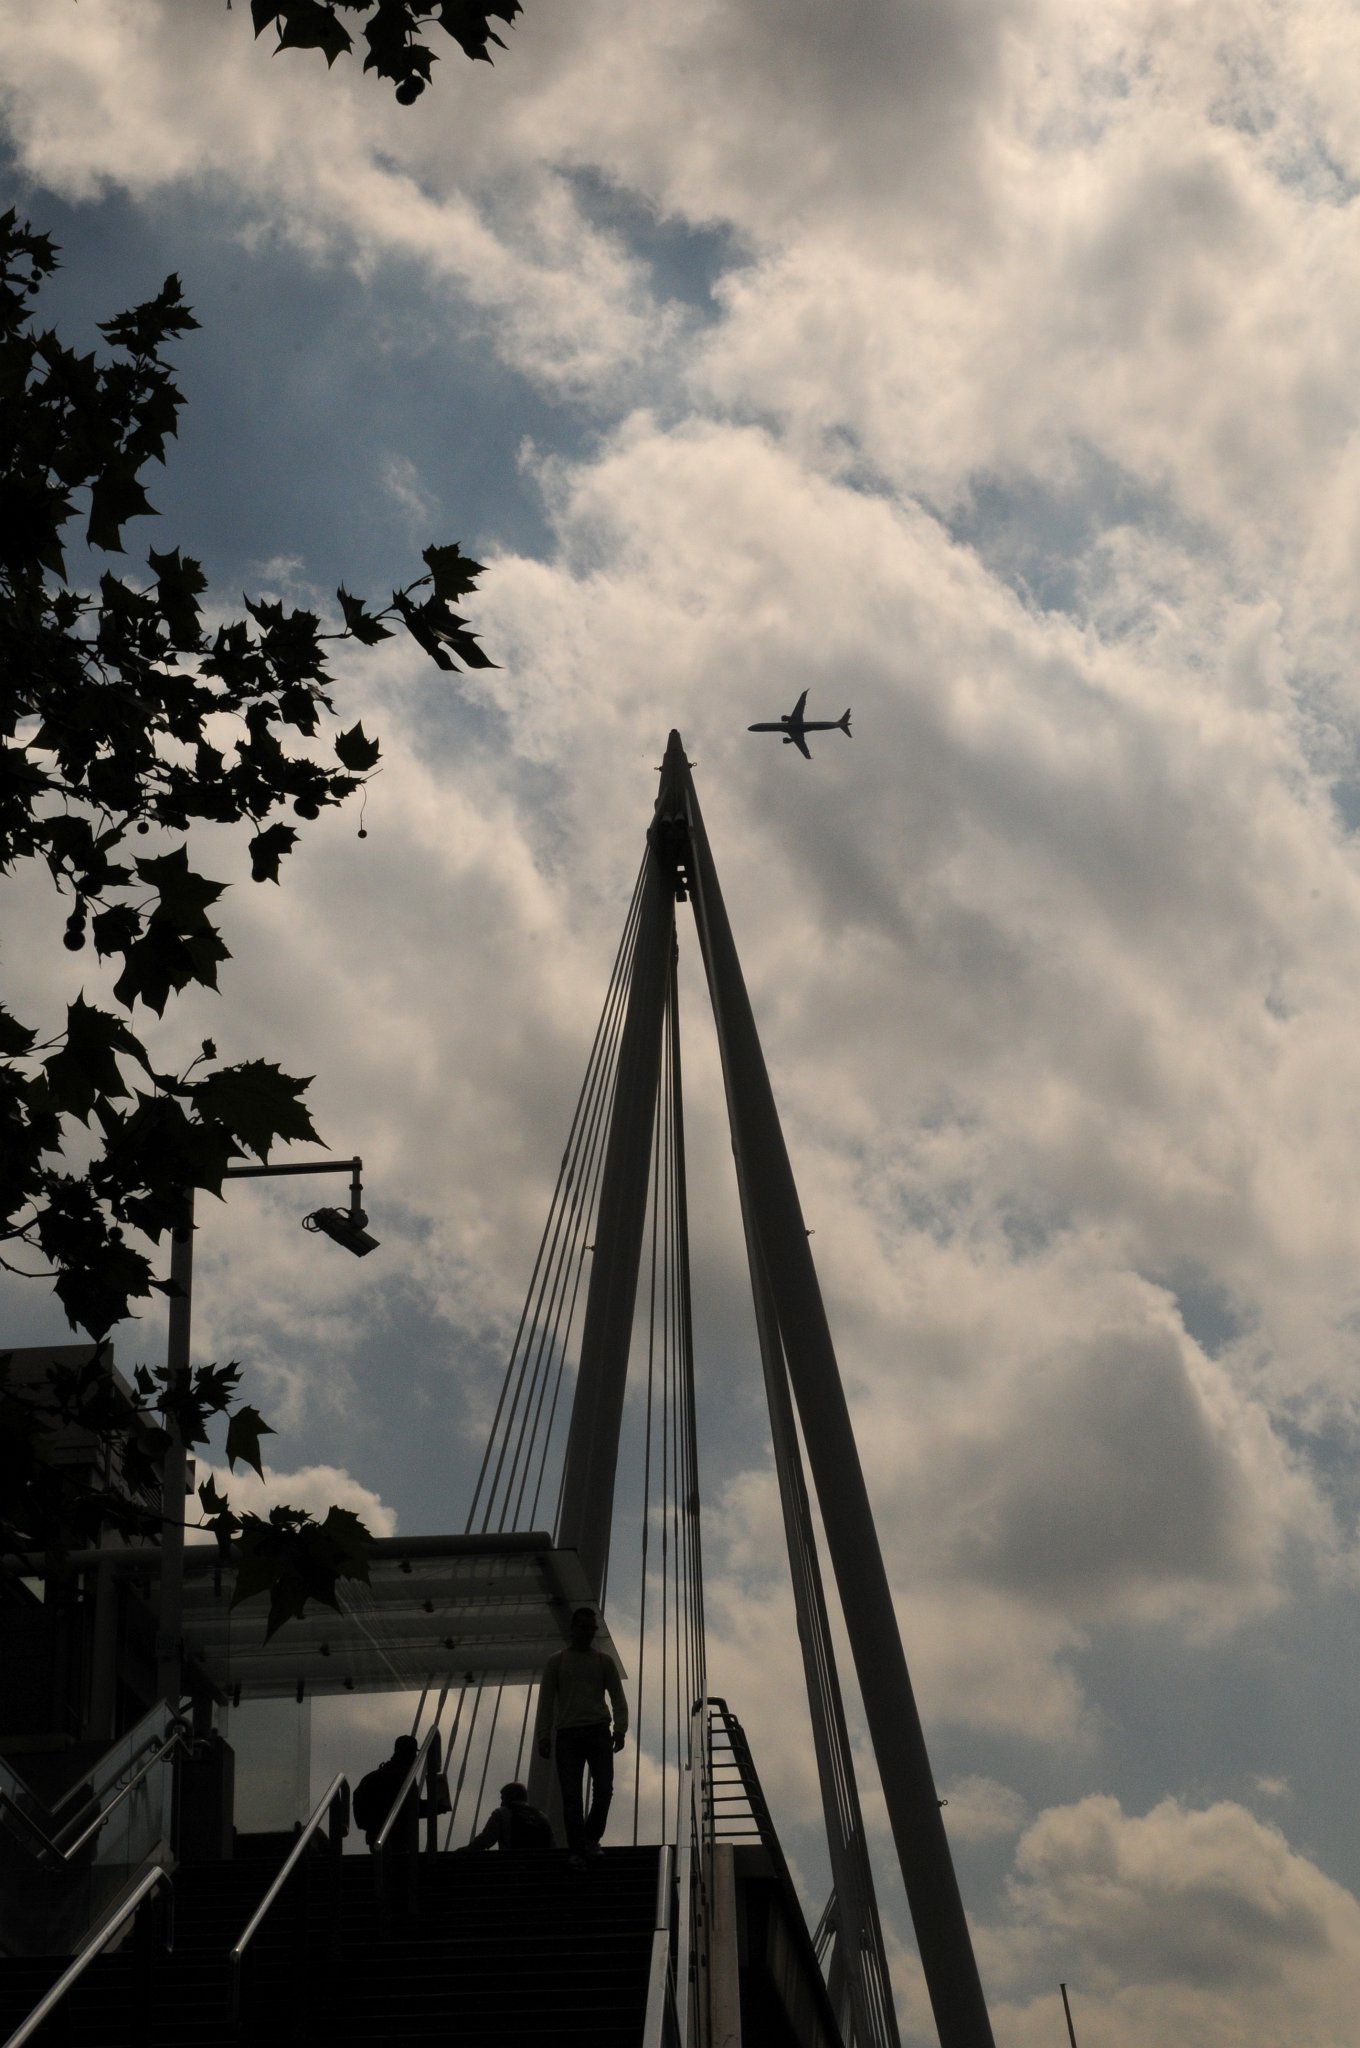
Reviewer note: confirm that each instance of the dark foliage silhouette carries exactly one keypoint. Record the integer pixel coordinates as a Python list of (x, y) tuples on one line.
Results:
[(128, 720)]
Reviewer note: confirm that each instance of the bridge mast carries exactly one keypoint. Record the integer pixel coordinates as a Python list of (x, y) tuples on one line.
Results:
[(787, 1294), (771, 1199), (597, 1409)]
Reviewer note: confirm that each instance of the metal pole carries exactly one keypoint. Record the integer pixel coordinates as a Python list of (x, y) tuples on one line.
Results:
[(349, 1166), (170, 1611), (763, 1167), (1067, 2015)]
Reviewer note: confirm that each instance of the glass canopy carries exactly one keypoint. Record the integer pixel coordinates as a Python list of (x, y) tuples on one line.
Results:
[(437, 1611)]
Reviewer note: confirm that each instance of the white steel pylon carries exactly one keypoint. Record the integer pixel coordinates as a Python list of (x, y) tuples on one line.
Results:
[(797, 1352)]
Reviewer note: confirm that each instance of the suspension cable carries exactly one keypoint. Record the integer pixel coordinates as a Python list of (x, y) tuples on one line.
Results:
[(600, 1063)]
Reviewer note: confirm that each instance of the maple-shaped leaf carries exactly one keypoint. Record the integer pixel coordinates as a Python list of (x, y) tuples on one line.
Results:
[(218, 1512), (470, 24), (212, 1502), (348, 1541), (267, 849), (15, 1038), (244, 1430), (295, 1559), (164, 960), (145, 327), (86, 1065), (115, 497), (116, 929), (184, 895), (257, 1103), (96, 1285), (179, 585), (360, 622), (355, 750), (310, 25), (454, 574)]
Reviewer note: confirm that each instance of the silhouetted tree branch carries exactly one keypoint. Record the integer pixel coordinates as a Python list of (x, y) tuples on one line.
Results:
[(392, 30)]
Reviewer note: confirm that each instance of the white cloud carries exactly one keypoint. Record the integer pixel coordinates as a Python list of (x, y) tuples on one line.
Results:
[(1023, 420), (980, 1808), (1201, 1925)]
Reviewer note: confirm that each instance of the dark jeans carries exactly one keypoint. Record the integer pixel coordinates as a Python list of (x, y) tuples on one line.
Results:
[(585, 1749)]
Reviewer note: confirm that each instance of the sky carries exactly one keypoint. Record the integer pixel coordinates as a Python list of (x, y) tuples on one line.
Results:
[(991, 367)]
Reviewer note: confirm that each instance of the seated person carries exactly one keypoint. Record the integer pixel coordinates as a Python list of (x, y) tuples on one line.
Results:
[(515, 1824)]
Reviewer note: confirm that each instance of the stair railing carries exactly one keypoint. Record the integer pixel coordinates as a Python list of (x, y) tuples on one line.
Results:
[(660, 2027), (686, 1863), (681, 2017), (46, 1846), (333, 1805), (117, 1823), (99, 1940)]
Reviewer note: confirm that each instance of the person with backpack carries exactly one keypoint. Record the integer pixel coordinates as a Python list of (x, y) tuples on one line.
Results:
[(515, 1824), (374, 1794), (578, 1688)]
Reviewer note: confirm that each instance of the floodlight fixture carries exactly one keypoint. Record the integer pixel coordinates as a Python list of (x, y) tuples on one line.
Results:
[(345, 1226)]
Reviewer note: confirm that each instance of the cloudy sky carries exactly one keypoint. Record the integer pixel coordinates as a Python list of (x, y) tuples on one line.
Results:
[(990, 366)]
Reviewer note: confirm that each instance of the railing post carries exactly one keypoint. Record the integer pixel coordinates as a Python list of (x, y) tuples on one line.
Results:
[(432, 1762), (337, 1827)]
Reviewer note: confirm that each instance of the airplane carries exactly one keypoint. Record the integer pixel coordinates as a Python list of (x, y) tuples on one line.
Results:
[(793, 725)]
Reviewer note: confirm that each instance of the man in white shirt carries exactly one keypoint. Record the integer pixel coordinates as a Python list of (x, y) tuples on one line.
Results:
[(578, 1688)]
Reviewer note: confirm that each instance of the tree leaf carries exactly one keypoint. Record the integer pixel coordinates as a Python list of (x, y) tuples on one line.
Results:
[(179, 585), (257, 1103), (267, 850), (15, 1038), (361, 622), (184, 895), (115, 496), (454, 573), (244, 1431), (296, 1559), (86, 1066), (355, 750)]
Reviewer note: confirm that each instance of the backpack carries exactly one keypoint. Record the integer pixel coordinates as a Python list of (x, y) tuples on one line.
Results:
[(528, 1828), (370, 1802)]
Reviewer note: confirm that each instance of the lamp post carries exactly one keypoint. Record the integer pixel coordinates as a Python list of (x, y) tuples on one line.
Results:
[(346, 1227)]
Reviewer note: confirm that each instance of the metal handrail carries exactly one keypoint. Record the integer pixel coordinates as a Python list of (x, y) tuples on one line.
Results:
[(407, 1785), (684, 1924), (145, 1885), (336, 1791), (176, 1741), (424, 1764), (65, 1855), (660, 1988)]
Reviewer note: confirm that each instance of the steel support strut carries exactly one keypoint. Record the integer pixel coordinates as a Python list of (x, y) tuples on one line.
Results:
[(771, 1199), (597, 1408)]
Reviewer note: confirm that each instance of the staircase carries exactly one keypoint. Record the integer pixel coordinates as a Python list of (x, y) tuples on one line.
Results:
[(504, 1949)]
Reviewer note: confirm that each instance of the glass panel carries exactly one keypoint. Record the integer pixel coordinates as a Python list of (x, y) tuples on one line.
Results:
[(272, 1741), (51, 1905)]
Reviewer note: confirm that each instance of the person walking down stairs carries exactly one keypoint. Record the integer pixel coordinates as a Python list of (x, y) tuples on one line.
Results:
[(578, 1688)]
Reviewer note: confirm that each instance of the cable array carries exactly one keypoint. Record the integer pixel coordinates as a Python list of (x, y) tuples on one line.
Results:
[(522, 1430), (671, 1672), (657, 1597)]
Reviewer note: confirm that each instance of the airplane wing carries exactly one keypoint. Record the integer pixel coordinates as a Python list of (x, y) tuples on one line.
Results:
[(797, 710), (801, 745)]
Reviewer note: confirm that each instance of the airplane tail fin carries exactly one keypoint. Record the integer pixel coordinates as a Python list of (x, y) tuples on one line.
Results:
[(844, 725)]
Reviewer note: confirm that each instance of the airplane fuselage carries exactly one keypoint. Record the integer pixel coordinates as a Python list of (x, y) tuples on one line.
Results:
[(788, 728), (794, 727)]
